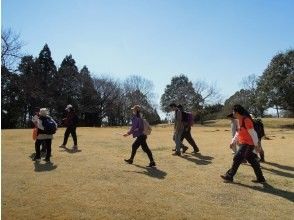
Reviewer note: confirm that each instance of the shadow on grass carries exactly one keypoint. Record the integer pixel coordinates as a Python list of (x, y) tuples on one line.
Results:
[(283, 167), (267, 188), (198, 158), (278, 172), (40, 167), (152, 172), (69, 150)]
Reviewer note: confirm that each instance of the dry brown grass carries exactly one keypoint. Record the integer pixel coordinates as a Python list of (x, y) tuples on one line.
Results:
[(96, 183)]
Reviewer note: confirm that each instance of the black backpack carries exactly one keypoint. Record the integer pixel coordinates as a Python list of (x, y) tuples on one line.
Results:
[(49, 125), (188, 118), (258, 127)]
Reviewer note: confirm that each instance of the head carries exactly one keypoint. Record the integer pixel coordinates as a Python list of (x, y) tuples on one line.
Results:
[(239, 111), (180, 107), (69, 108), (44, 112), (173, 106), (136, 110)]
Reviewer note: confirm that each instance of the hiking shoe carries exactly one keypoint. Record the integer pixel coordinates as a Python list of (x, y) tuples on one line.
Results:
[(185, 148), (151, 164), (195, 152), (174, 149), (36, 158), (75, 148), (258, 181), (227, 178), (129, 161), (47, 160), (177, 154)]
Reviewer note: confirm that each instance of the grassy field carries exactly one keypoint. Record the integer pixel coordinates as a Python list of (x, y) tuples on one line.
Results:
[(95, 183)]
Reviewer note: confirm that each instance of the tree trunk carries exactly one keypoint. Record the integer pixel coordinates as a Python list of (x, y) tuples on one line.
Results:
[(277, 108)]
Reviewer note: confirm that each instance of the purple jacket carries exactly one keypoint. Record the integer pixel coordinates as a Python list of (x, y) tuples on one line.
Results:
[(137, 127)]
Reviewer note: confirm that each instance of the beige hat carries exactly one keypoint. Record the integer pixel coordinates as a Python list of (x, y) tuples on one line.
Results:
[(44, 112), (136, 107)]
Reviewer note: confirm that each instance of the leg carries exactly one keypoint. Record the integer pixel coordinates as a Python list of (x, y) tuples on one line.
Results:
[(74, 136), (37, 148), (261, 153), (253, 160), (66, 134), (178, 141), (145, 147), (135, 147), (48, 143), (190, 140)]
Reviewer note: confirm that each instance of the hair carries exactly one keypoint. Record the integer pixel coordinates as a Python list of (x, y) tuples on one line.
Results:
[(173, 105), (180, 107), (241, 110), (138, 114)]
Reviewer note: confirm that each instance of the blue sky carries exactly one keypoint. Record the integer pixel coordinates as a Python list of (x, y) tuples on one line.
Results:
[(217, 41)]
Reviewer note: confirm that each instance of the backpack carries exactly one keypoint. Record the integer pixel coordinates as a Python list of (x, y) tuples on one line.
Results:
[(147, 127), (49, 125), (258, 127), (188, 118)]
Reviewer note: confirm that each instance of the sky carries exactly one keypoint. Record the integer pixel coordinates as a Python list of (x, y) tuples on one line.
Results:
[(217, 41)]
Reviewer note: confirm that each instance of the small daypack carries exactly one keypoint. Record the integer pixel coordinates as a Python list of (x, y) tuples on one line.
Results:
[(49, 125), (188, 118), (147, 127), (258, 127)]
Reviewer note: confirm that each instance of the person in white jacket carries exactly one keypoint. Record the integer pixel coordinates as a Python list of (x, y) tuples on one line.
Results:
[(248, 146)]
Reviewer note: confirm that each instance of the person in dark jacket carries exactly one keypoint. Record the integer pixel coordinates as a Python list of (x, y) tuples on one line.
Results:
[(70, 122), (137, 130)]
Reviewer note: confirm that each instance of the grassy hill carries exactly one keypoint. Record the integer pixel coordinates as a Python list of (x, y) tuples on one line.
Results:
[(95, 182)]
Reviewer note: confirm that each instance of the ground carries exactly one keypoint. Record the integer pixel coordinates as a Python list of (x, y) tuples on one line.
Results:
[(96, 183)]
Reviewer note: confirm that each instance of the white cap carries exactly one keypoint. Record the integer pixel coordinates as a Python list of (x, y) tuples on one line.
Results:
[(68, 107), (44, 112)]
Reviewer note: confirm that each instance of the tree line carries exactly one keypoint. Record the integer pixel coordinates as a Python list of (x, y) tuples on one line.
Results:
[(37, 82)]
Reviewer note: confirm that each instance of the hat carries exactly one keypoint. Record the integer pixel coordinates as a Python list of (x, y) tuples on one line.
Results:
[(68, 107), (44, 112), (136, 107)]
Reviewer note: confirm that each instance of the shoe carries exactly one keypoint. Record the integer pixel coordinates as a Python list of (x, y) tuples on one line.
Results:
[(47, 160), (261, 160), (62, 146), (177, 154), (151, 164), (227, 178), (75, 148), (174, 149), (185, 148), (36, 158), (129, 161), (195, 152), (258, 181)]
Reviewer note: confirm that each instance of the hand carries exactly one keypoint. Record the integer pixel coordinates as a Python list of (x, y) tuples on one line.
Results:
[(232, 145), (257, 149)]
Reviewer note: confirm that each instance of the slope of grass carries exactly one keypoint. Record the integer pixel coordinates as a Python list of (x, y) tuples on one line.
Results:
[(95, 183)]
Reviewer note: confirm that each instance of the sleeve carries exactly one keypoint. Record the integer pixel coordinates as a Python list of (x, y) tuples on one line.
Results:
[(253, 135), (134, 126)]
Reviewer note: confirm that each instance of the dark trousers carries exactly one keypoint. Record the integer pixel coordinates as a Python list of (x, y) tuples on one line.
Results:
[(246, 152), (187, 135), (141, 141), (47, 144), (72, 131)]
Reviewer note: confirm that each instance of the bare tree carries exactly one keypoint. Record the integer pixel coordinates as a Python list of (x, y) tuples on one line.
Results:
[(249, 82), (10, 48), (209, 92)]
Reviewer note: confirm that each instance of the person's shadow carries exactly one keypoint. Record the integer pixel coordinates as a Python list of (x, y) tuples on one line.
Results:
[(283, 167), (69, 150), (267, 188), (40, 167), (151, 171), (198, 158)]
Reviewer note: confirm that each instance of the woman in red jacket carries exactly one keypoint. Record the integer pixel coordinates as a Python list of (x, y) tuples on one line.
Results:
[(248, 146)]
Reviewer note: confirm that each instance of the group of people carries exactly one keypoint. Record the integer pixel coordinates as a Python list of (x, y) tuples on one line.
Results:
[(244, 136), (44, 136)]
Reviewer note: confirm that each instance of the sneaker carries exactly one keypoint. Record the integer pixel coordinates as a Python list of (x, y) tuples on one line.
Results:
[(174, 149), (261, 160), (129, 161), (151, 164), (62, 146), (75, 148), (258, 181), (185, 148), (195, 152), (176, 154), (47, 160), (36, 158), (227, 178)]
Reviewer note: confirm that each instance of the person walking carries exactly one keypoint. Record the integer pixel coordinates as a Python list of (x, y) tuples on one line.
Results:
[(137, 130), (187, 132), (70, 122), (178, 129), (35, 129), (248, 142), (44, 135)]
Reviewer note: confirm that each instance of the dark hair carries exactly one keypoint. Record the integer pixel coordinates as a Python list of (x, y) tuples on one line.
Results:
[(180, 107), (173, 105), (138, 114), (241, 110)]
